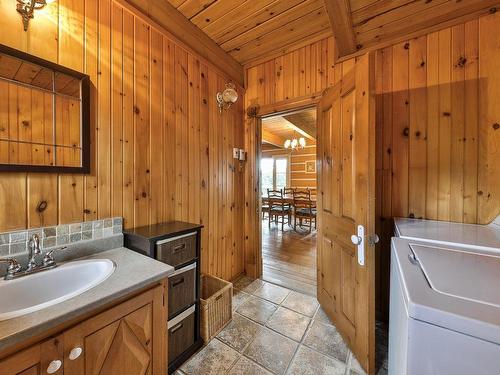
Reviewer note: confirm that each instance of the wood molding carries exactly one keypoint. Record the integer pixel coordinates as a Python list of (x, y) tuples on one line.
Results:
[(288, 105), (182, 29), (339, 12), (272, 139)]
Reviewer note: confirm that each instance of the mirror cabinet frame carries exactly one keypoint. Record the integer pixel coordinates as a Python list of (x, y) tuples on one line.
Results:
[(84, 79)]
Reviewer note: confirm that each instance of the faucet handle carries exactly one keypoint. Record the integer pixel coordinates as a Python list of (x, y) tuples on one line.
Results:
[(13, 268), (48, 259)]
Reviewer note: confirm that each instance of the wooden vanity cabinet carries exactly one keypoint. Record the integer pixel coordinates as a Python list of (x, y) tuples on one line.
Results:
[(36, 359), (127, 339)]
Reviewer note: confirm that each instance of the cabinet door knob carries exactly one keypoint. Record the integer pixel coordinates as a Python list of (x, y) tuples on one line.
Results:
[(54, 366), (75, 353)]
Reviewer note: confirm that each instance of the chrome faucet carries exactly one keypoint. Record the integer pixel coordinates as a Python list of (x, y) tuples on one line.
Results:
[(15, 270), (33, 251)]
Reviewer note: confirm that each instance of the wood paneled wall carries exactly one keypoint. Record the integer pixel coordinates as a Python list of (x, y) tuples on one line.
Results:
[(438, 116), (160, 148)]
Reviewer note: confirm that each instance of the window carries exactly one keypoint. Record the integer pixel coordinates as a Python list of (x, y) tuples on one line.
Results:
[(273, 173)]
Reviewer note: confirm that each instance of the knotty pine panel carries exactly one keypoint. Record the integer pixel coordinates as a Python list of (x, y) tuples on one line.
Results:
[(438, 138), (160, 149)]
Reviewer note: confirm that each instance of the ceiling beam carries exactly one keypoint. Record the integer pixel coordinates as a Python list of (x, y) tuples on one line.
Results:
[(174, 22), (339, 13), (301, 125), (272, 139)]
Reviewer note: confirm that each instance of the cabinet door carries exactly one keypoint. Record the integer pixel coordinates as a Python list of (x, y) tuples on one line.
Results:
[(42, 358), (128, 339)]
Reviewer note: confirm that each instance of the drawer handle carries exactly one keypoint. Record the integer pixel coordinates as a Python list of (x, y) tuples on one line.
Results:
[(54, 366), (176, 328), (177, 282), (75, 353), (178, 248)]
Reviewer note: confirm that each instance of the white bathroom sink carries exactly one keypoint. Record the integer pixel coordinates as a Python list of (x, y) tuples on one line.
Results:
[(34, 292)]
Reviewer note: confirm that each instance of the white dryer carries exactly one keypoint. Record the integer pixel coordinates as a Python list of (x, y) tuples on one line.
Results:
[(444, 299)]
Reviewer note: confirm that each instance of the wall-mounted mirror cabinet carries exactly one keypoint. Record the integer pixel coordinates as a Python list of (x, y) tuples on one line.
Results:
[(44, 115)]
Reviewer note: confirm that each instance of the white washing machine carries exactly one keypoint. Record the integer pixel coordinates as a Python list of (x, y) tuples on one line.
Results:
[(444, 299)]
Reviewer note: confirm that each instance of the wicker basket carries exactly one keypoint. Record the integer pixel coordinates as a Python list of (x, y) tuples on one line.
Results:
[(216, 305)]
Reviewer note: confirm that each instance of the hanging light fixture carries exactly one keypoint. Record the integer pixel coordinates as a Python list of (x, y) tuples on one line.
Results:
[(295, 143), (27, 8)]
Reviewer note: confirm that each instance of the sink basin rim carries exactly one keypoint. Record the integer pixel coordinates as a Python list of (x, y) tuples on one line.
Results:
[(110, 269)]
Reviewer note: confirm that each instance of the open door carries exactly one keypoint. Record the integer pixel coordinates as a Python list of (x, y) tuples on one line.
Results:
[(346, 208)]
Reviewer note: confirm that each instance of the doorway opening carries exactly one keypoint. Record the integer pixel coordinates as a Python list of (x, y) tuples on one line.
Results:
[(288, 200)]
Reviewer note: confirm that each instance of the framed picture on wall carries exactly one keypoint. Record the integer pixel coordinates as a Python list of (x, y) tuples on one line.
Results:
[(311, 166)]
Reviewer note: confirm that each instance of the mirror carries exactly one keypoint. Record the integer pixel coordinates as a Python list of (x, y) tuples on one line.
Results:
[(44, 115)]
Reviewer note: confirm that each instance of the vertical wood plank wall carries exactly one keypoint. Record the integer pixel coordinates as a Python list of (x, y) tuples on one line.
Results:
[(438, 138), (160, 149)]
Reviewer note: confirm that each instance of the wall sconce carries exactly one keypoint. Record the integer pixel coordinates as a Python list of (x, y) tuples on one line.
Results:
[(227, 97), (27, 7)]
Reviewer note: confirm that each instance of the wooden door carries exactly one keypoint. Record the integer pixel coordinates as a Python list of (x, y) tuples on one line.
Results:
[(128, 339), (346, 175), (36, 359)]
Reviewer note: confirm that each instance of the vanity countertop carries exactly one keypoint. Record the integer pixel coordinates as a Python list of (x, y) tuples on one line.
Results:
[(133, 272)]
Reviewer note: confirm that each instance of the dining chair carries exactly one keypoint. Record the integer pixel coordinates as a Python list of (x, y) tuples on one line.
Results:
[(265, 208), (278, 208), (304, 208), (288, 190)]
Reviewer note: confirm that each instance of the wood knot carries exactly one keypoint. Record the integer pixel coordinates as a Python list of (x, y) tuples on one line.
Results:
[(446, 114), (86, 211), (422, 64), (136, 110), (496, 126), (493, 10), (389, 151), (407, 45), (406, 132), (462, 60), (25, 123), (359, 46), (417, 133), (144, 195), (204, 101)]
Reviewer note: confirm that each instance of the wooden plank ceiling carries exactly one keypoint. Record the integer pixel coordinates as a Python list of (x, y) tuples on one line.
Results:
[(251, 29), (359, 25), (277, 129)]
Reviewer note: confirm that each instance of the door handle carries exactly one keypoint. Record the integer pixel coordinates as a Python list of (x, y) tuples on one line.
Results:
[(359, 240)]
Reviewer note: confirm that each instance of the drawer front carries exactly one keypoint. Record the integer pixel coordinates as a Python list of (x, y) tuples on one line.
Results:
[(181, 289), (180, 333), (177, 250)]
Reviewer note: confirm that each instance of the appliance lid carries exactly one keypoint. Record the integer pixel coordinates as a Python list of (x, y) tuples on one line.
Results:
[(469, 235), (450, 286), (460, 273)]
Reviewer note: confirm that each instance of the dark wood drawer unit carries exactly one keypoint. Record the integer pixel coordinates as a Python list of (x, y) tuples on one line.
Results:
[(177, 250), (178, 244), (181, 289), (181, 333)]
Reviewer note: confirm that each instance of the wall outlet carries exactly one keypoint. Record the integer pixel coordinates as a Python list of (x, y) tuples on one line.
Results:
[(236, 153)]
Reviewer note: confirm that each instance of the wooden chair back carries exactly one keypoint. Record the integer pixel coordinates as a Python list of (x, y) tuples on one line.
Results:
[(302, 199), (275, 199), (288, 190)]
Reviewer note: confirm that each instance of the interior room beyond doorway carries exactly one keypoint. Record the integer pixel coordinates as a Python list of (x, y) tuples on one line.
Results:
[(288, 194)]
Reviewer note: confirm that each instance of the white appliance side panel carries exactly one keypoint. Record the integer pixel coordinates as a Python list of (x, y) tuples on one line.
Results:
[(398, 327), (437, 351)]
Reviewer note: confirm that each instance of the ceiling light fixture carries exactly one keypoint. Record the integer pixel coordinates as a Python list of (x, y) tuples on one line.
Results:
[(27, 8), (227, 97), (295, 144)]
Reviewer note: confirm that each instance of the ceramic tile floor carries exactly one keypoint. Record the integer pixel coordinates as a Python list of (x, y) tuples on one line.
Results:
[(278, 331)]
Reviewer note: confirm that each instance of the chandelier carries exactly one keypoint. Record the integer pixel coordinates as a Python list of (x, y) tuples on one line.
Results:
[(295, 144)]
